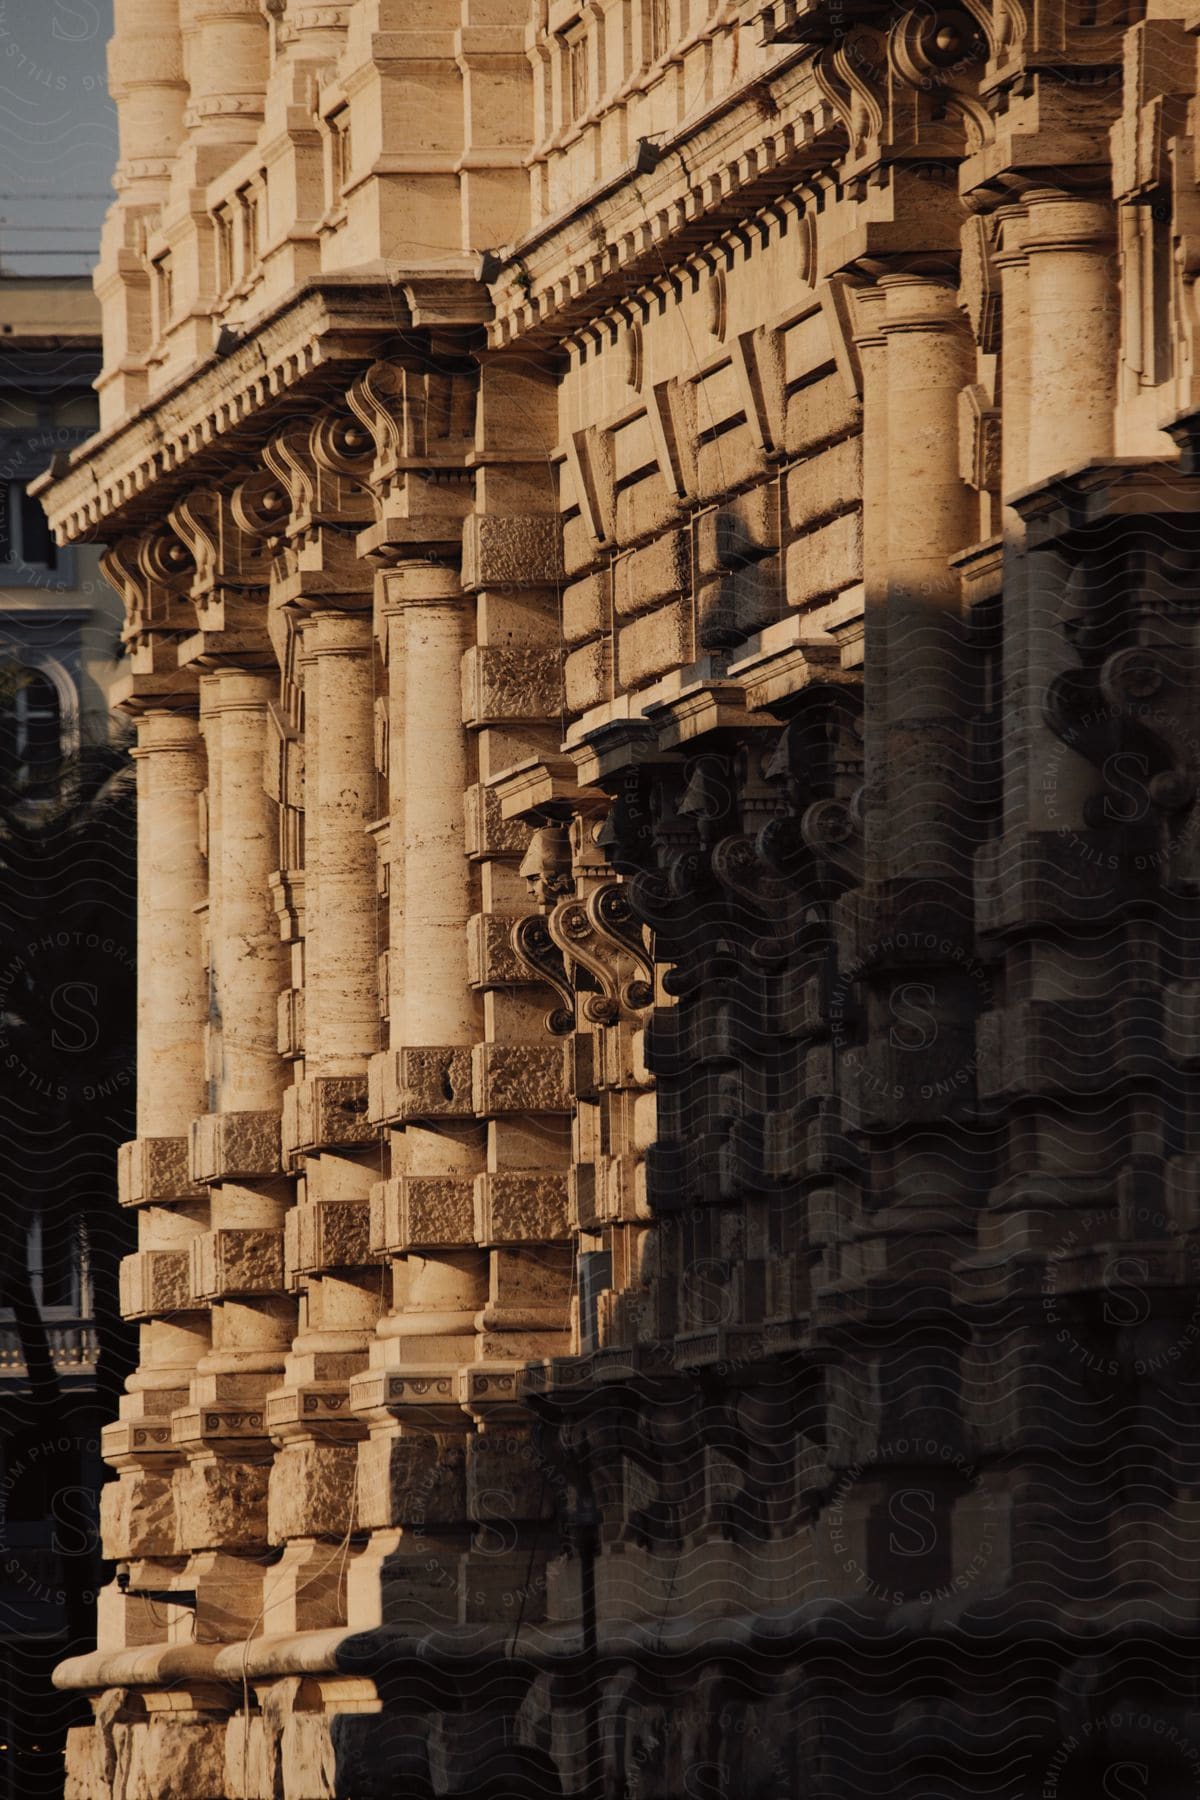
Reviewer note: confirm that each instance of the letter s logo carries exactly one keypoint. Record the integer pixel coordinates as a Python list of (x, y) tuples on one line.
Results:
[(1126, 1302), (1127, 1781), (1126, 795), (84, 21), (74, 1509), (82, 1023), (497, 1535), (915, 1027), (706, 1781), (911, 1510)]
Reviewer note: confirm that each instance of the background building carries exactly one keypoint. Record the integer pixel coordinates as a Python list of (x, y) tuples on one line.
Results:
[(658, 555), (66, 980)]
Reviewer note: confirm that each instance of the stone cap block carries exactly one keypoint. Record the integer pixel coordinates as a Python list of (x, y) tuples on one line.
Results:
[(425, 1396), (510, 1078), (330, 1234), (215, 1424), (426, 1082), (329, 1111), (488, 833), (517, 550), (155, 1282), (153, 1169), (500, 686), (127, 1437), (422, 1212), (234, 1146), (491, 960), (515, 1208), (236, 1262)]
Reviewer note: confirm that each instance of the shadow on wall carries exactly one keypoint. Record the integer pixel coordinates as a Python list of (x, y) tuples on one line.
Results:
[(375, 1762)]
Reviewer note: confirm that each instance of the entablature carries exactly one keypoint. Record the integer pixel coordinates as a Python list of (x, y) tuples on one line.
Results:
[(312, 347)]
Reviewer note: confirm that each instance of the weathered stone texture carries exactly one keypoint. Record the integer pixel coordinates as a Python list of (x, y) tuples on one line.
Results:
[(687, 1240)]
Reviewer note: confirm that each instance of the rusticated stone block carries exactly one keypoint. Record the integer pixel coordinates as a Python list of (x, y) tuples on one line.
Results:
[(330, 1234), (727, 462), (412, 1481), (586, 675), (521, 550), (585, 608), (155, 1281), (234, 1146), (422, 1211), (137, 1515), (221, 1503), (488, 832), (736, 533), (653, 644), (154, 1169), (491, 960), (155, 1757), (236, 1262), (825, 484), (328, 1111), (731, 608), (580, 550), (645, 578), (521, 1078), (311, 1491), (826, 560), (644, 508), (430, 1082), (520, 1208), (499, 685), (818, 413)]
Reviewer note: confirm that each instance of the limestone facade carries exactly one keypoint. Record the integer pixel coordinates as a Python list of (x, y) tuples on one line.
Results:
[(659, 551)]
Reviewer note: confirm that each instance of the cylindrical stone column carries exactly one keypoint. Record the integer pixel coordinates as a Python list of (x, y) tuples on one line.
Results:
[(227, 68), (1073, 310), (341, 1007), (172, 1003), (929, 519), (147, 82), (430, 621), (248, 970)]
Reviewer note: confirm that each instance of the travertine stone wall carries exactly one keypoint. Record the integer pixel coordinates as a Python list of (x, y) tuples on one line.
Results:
[(659, 557)]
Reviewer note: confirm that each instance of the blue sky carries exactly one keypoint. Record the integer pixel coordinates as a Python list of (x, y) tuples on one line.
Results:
[(58, 134)]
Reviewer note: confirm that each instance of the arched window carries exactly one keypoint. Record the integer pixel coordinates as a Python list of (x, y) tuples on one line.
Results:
[(31, 727)]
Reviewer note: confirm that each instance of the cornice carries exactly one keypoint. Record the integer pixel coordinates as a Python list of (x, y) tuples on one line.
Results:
[(746, 152), (219, 413)]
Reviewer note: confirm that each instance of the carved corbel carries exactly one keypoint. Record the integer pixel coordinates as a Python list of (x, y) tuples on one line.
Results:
[(226, 555), (535, 950), (232, 568), (153, 576), (601, 935), (904, 90), (416, 419), (1152, 685), (818, 763)]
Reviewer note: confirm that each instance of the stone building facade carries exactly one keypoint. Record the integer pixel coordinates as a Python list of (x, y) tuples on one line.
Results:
[(659, 550)]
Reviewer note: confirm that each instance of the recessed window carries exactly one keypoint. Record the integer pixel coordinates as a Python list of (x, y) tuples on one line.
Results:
[(164, 291), (25, 540), (249, 229), (658, 28), (18, 413), (79, 412), (30, 727), (224, 224), (576, 72), (339, 154)]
